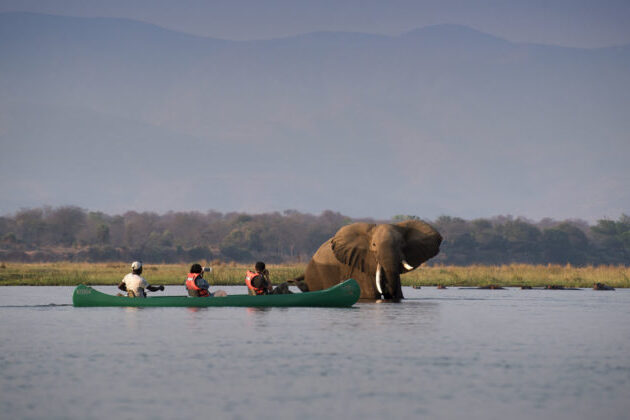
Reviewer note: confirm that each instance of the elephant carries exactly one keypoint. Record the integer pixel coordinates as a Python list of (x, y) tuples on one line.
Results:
[(373, 254)]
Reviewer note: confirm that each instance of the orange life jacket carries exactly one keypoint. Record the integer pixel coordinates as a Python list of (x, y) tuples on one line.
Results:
[(191, 285), (248, 281)]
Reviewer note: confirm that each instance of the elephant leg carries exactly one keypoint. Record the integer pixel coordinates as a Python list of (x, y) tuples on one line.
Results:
[(399, 291), (282, 289), (301, 284)]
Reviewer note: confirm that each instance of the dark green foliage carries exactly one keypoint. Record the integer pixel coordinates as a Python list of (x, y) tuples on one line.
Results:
[(97, 253), (198, 253), (102, 234), (236, 253), (503, 240), (403, 217), (9, 238), (70, 233), (614, 236), (565, 243)]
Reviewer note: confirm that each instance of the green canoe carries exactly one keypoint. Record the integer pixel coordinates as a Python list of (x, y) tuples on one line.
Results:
[(342, 295)]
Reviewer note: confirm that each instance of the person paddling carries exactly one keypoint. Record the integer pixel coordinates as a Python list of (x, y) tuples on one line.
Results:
[(197, 286), (258, 282), (134, 284)]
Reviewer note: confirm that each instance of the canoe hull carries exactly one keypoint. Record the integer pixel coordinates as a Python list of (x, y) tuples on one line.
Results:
[(342, 295)]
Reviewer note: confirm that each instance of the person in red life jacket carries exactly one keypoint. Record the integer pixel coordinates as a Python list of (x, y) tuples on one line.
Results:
[(258, 282), (197, 286)]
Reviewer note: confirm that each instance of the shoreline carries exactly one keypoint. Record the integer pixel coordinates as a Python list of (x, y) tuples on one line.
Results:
[(512, 275)]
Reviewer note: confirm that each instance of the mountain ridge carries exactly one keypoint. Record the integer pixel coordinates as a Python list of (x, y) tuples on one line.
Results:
[(441, 29), (332, 115)]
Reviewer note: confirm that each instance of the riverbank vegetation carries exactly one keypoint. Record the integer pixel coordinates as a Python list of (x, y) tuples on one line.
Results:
[(512, 275), (71, 274), (517, 275), (73, 234)]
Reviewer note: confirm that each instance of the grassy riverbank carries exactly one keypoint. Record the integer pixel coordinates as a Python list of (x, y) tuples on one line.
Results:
[(514, 275), (71, 274)]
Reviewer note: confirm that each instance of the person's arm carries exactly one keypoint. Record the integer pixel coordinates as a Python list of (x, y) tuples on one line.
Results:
[(267, 280), (202, 283), (122, 286), (151, 287)]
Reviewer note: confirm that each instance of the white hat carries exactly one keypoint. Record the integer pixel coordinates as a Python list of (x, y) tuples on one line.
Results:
[(136, 265)]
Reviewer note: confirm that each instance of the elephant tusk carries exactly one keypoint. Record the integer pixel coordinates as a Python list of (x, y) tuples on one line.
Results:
[(378, 279), (406, 265)]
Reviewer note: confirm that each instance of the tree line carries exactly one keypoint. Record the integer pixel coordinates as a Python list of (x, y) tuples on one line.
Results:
[(73, 234)]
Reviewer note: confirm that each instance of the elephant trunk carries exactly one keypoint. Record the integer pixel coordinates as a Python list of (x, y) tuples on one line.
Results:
[(388, 283)]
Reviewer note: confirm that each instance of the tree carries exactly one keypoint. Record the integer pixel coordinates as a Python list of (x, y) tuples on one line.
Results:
[(556, 246), (402, 217), (30, 226), (236, 254), (490, 244), (10, 238), (522, 240), (65, 223), (244, 237), (291, 235), (102, 234), (614, 237)]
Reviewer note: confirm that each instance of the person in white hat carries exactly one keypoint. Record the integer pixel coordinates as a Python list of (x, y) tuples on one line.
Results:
[(134, 284)]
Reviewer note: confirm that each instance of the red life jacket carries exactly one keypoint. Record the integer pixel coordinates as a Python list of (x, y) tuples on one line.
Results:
[(248, 281), (191, 285)]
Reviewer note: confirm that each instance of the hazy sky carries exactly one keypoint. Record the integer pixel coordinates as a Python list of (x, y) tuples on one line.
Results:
[(475, 132), (579, 23)]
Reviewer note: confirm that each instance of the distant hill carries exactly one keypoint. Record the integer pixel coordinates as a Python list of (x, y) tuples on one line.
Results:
[(443, 119)]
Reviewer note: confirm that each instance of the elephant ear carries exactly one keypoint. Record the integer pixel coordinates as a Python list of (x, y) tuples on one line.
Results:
[(351, 244), (422, 241)]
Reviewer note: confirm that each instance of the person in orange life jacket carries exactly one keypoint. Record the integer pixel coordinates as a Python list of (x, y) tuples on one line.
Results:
[(134, 284), (197, 286), (258, 282)]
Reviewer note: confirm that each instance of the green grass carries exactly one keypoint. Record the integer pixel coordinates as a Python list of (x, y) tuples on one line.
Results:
[(513, 275)]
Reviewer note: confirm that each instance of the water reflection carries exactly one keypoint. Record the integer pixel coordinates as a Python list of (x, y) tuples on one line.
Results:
[(257, 318), (438, 354), (417, 315), (131, 317), (255, 311)]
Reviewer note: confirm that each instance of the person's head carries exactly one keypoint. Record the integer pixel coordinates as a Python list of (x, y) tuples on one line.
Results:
[(196, 268), (136, 267), (260, 266)]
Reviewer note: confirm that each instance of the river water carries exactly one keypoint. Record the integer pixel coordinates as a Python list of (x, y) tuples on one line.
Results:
[(441, 354)]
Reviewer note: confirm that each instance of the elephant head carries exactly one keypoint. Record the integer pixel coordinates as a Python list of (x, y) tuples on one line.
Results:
[(386, 251)]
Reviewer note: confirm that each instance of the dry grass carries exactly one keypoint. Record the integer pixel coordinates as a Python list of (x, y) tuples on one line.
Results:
[(515, 275), (70, 274)]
